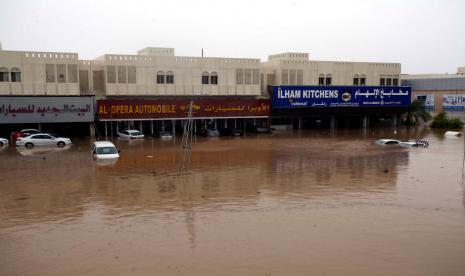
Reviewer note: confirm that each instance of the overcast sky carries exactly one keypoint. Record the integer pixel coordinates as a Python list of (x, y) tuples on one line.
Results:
[(424, 36)]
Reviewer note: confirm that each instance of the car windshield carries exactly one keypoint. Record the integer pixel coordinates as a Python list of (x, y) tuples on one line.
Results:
[(106, 150)]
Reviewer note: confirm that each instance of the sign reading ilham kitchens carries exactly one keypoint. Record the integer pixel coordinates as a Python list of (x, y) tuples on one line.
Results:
[(178, 109)]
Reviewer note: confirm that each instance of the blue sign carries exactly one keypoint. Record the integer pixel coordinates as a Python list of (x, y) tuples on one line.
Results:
[(340, 96)]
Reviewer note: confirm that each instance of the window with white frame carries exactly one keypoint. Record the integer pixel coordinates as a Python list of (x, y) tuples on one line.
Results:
[(15, 74), (328, 79), (363, 80), (214, 78), (160, 77), (170, 77), (4, 74), (205, 78), (321, 79)]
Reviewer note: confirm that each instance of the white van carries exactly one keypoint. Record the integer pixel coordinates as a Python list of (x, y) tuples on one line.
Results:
[(104, 150)]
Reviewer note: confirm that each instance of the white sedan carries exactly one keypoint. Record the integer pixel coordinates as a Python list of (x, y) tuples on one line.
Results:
[(3, 142), (42, 139), (131, 134)]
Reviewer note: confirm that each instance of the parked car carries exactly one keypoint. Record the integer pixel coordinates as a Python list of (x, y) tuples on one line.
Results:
[(165, 135), (3, 142), (131, 134), (236, 132), (104, 150), (213, 132), (42, 139), (28, 131)]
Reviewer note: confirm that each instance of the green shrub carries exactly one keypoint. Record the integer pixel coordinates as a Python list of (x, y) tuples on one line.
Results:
[(442, 121)]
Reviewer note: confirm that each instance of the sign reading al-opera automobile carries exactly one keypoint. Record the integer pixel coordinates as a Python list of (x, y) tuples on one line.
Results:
[(39, 109), (178, 109), (340, 96)]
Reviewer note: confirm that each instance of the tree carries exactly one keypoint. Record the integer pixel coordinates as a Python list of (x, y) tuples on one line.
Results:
[(416, 112), (442, 121)]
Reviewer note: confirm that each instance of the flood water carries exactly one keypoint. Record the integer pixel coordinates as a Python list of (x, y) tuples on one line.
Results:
[(290, 203)]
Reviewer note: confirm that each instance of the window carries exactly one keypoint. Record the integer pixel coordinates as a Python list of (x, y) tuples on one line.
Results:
[(50, 73), (292, 77), (160, 77), (4, 74), (111, 74), (239, 76), (321, 80), (61, 71), (395, 81), (205, 77), (382, 81), (255, 76), (214, 78), (72, 73), (328, 79), (356, 80), (284, 77), (170, 77), (131, 74), (363, 80), (122, 74), (388, 81), (15, 75), (300, 77), (247, 76)]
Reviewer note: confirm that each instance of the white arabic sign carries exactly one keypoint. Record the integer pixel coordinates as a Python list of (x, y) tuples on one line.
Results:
[(453, 101), (46, 109)]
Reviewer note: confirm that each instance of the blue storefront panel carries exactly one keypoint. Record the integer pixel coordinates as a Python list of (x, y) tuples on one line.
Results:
[(340, 96)]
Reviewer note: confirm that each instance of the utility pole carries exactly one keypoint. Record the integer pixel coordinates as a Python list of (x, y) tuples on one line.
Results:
[(186, 143)]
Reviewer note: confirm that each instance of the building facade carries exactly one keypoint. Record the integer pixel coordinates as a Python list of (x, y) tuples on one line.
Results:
[(157, 74), (440, 92)]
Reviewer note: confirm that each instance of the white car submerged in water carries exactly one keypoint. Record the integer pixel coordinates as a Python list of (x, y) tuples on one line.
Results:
[(131, 134), (387, 142), (104, 150), (3, 142)]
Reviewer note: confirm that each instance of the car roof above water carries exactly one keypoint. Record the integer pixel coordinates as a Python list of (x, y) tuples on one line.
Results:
[(100, 144)]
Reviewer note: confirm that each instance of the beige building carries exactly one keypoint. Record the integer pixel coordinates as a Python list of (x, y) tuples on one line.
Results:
[(298, 69), (158, 72)]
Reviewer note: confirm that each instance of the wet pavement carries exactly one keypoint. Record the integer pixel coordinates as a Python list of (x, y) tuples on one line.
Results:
[(290, 203)]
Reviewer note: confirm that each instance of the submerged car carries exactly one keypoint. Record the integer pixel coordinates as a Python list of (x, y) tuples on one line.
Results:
[(131, 134), (3, 142), (165, 135), (213, 132), (42, 139), (387, 142), (452, 133), (104, 150)]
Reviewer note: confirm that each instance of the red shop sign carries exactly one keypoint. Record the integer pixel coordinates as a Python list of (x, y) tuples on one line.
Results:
[(158, 109)]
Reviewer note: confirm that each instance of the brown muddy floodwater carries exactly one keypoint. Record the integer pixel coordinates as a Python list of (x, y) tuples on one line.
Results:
[(314, 203)]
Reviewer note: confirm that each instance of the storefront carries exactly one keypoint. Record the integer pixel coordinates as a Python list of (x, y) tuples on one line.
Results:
[(69, 115), (158, 115), (332, 106)]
